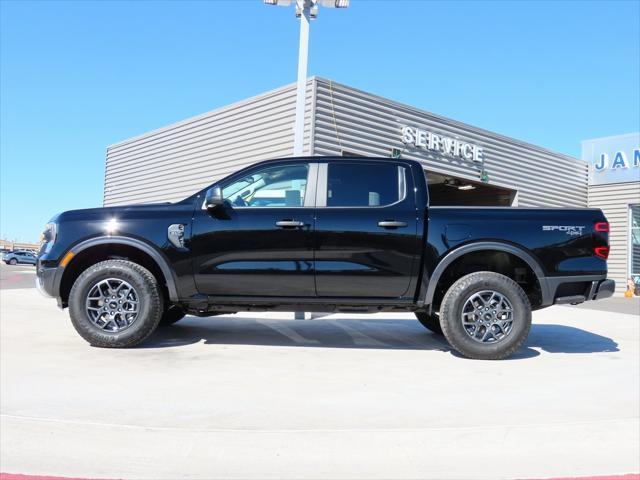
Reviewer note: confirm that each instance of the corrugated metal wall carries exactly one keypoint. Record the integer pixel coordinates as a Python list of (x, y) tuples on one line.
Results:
[(175, 161), (614, 200), (370, 125), (171, 163)]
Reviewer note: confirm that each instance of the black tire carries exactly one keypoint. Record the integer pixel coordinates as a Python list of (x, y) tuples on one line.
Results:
[(451, 316), (430, 322), (13, 261), (171, 315), (149, 296)]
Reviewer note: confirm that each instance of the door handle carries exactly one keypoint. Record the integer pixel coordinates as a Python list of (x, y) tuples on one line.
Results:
[(289, 224), (391, 224)]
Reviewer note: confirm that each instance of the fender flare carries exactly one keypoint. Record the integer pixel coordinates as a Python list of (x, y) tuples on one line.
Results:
[(453, 255), (155, 255)]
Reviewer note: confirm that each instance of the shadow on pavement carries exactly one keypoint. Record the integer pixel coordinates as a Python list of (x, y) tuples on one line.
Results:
[(325, 333), (563, 339), (355, 333)]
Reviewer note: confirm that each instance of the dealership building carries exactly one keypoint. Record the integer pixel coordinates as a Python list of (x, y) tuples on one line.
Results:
[(466, 165), (614, 186)]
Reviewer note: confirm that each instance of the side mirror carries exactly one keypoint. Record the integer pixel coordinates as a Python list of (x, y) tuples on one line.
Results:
[(213, 198)]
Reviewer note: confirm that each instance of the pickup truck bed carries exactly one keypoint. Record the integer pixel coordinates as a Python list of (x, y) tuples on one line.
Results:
[(557, 245)]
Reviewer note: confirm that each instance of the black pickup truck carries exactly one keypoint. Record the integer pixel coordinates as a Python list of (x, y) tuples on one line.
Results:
[(329, 235)]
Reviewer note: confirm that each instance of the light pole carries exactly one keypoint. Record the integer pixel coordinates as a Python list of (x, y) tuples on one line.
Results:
[(306, 10)]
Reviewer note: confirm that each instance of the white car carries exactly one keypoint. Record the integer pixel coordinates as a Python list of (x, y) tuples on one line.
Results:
[(19, 256)]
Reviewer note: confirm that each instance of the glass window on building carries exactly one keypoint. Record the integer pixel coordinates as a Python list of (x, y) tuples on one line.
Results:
[(634, 244)]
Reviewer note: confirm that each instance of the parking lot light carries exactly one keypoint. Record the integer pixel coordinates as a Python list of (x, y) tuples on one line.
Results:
[(305, 10)]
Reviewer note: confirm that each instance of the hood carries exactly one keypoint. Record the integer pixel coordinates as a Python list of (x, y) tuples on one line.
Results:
[(110, 212)]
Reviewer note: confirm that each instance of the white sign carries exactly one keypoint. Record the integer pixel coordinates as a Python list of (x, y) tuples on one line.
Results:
[(439, 143), (620, 160), (613, 159)]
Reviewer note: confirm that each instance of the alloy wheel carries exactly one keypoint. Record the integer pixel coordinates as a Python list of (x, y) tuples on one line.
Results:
[(112, 305), (487, 316)]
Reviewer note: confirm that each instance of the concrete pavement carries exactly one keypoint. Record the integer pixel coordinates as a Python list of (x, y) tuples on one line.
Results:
[(17, 276), (344, 396), (617, 303)]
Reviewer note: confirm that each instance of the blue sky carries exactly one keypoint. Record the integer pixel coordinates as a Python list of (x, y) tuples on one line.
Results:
[(77, 76)]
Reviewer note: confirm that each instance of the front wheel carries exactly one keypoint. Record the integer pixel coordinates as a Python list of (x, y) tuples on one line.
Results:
[(13, 261), (116, 304), (486, 316)]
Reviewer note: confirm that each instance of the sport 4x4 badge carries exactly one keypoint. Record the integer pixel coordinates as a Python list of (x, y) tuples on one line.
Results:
[(573, 230)]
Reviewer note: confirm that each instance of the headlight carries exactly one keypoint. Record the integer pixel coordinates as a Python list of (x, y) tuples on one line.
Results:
[(50, 233)]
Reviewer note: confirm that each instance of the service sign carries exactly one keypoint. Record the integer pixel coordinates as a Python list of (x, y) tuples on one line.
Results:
[(435, 142), (613, 159)]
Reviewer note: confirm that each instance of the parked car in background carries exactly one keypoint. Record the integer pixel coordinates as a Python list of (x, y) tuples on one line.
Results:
[(19, 256)]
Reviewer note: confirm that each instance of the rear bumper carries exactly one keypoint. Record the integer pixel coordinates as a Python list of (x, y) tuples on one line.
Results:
[(603, 289), (577, 289)]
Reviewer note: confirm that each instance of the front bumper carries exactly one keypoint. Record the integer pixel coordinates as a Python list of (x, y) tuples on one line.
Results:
[(46, 280)]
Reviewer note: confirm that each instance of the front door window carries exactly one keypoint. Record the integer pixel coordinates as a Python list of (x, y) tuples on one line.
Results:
[(279, 186)]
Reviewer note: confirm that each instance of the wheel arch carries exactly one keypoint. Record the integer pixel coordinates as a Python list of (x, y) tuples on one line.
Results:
[(458, 253), (110, 247)]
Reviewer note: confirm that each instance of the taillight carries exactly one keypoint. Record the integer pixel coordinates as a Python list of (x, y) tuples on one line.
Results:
[(602, 252)]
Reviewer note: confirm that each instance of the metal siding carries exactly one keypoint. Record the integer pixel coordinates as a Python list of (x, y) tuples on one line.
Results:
[(370, 125), (614, 200), (173, 162)]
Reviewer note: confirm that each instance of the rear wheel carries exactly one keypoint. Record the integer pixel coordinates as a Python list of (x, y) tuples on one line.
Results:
[(115, 303), (485, 315), (430, 321)]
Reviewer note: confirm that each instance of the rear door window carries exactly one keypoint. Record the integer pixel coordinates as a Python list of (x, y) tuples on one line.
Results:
[(365, 184)]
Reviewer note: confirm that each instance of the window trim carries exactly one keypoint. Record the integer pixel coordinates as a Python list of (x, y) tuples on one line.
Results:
[(323, 185)]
